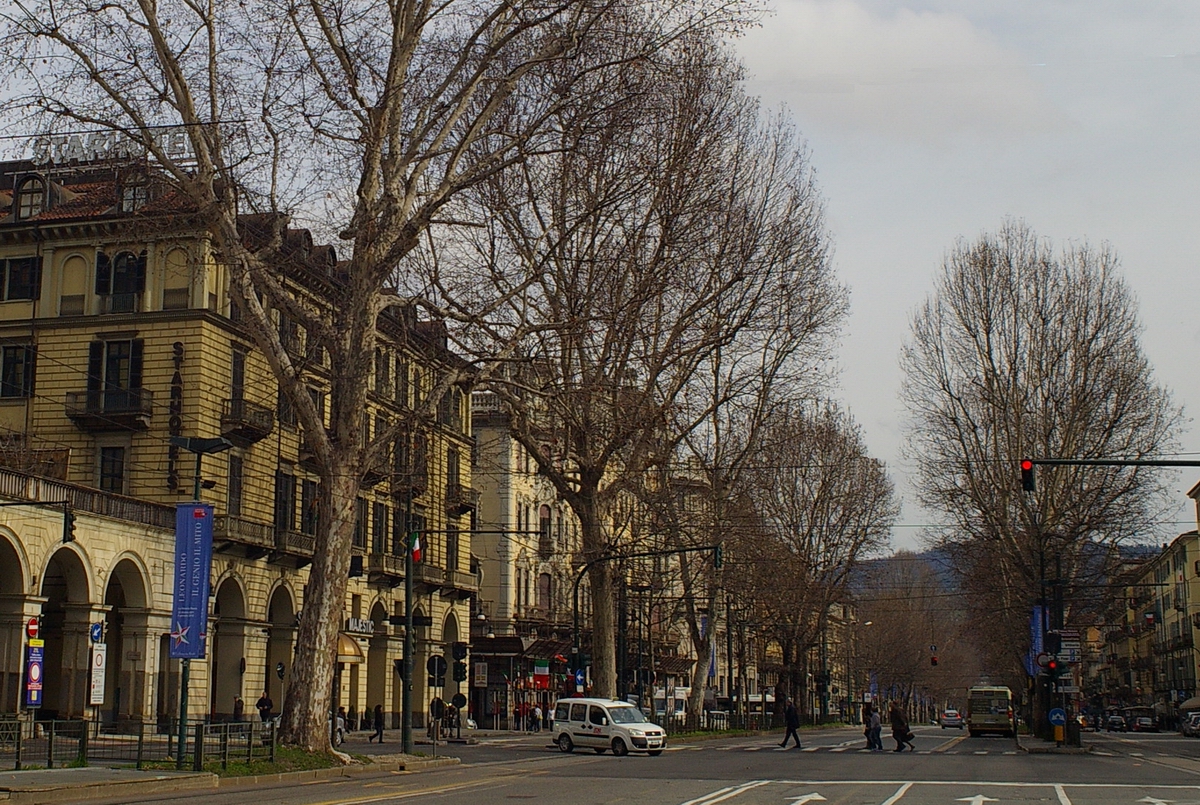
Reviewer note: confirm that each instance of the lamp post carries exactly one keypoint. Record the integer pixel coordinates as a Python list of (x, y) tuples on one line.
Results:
[(199, 447)]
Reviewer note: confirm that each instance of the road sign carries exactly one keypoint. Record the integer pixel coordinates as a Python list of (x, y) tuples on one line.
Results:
[(1058, 716), (99, 665), (579, 676), (96, 632), (1068, 689), (459, 701), (32, 628), (34, 657), (1043, 659), (481, 675), (436, 665)]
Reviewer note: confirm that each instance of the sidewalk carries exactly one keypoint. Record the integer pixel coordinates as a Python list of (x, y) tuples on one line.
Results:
[(43, 786)]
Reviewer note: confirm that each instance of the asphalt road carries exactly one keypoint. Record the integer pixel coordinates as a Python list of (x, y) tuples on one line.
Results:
[(833, 767)]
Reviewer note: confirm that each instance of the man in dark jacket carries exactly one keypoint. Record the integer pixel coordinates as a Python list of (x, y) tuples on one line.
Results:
[(791, 719)]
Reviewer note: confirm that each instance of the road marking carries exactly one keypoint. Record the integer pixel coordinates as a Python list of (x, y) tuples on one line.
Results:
[(725, 793), (1154, 801), (813, 797), (1062, 795), (942, 747), (1136, 754), (978, 799), (810, 749), (899, 793), (420, 792), (839, 749), (979, 752)]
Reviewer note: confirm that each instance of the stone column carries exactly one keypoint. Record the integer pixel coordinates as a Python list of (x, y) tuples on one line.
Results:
[(76, 658)]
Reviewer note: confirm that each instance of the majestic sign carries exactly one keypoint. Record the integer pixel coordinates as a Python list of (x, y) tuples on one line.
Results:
[(360, 626), (35, 655), (193, 566)]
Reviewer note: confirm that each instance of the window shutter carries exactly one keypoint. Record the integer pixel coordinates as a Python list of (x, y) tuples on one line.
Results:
[(95, 365), (103, 274), (30, 368), (135, 363)]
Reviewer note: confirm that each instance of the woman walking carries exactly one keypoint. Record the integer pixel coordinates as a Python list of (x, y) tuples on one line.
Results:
[(378, 722), (900, 729)]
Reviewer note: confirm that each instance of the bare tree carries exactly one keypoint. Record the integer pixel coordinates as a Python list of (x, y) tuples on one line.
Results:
[(365, 119), (822, 505), (663, 231), (1025, 351)]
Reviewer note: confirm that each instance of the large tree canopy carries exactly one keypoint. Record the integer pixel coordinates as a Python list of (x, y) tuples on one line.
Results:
[(1023, 351)]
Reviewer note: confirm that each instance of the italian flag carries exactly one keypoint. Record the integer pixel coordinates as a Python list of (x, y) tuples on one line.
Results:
[(415, 542)]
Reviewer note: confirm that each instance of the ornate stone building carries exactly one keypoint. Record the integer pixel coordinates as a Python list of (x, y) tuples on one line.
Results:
[(118, 332)]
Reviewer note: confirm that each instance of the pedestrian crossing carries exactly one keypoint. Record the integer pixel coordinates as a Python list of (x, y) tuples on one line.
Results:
[(856, 748)]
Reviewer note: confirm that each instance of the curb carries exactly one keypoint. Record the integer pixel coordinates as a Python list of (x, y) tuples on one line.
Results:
[(1055, 750), (51, 793), (313, 775)]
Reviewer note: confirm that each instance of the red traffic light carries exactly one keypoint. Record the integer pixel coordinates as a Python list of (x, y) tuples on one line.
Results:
[(1052, 666), (1027, 474), (933, 660)]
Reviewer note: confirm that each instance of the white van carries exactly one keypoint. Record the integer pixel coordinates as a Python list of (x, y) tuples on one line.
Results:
[(603, 724)]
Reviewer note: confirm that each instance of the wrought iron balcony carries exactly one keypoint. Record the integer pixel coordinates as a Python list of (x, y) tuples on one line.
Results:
[(242, 537), (293, 549), (244, 422), (385, 568), (111, 409), (461, 499)]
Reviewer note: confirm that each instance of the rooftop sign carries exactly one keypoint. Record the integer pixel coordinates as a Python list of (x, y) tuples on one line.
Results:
[(101, 146)]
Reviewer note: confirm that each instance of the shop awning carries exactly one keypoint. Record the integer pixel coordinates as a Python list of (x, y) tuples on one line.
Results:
[(1191, 704), (348, 649)]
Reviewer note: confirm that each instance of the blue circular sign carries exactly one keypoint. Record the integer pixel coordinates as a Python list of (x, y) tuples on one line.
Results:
[(97, 631), (1058, 716), (579, 677)]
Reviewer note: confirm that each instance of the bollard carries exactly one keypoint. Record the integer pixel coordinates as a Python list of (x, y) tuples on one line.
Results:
[(20, 733), (273, 734), (50, 747), (198, 749), (81, 759), (225, 747), (141, 745)]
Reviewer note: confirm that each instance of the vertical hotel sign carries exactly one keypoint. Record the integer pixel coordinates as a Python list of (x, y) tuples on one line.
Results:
[(193, 564)]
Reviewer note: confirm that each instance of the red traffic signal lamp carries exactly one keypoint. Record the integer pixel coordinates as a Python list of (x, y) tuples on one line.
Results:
[(1027, 474), (1052, 667), (933, 660)]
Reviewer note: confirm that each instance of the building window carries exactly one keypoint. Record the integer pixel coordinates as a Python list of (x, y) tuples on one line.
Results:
[(133, 194), (115, 374), (16, 371), (402, 383), (30, 198), (310, 507), (120, 281), (112, 470), (285, 501), (451, 548), (379, 527), (22, 278), (452, 471), (234, 502), (545, 543), (360, 523), (383, 376), (237, 373), (285, 412)]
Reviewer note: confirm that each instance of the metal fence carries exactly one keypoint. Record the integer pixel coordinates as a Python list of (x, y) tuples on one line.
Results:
[(28, 744), (717, 721)]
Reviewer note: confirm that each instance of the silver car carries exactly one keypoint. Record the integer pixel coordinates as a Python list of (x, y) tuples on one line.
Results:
[(951, 718)]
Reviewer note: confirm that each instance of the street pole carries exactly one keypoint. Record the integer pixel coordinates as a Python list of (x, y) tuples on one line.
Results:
[(186, 671), (406, 736), (729, 649)]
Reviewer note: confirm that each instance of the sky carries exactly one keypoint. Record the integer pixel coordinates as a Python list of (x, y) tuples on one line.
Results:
[(932, 121)]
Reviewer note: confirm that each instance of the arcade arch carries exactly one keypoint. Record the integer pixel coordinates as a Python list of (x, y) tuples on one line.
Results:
[(227, 636), (281, 617), (66, 618), (126, 636)]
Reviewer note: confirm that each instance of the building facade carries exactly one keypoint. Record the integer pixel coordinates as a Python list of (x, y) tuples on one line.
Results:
[(118, 331)]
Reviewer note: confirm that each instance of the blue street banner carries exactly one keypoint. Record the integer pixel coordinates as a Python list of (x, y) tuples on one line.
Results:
[(193, 565), (1035, 640)]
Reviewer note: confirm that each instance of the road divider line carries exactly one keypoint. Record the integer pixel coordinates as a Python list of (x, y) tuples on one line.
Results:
[(899, 793), (729, 792), (1062, 795), (942, 747)]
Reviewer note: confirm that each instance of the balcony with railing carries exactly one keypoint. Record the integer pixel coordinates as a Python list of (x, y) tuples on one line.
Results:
[(233, 535), (111, 409), (385, 568), (293, 549), (461, 499), (459, 584), (244, 422)]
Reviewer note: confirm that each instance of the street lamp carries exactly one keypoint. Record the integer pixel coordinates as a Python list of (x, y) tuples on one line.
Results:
[(200, 447)]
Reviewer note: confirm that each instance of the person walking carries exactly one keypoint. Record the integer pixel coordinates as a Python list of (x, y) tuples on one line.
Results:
[(265, 706), (377, 720), (791, 720), (239, 709), (900, 731), (537, 718), (866, 720), (875, 739)]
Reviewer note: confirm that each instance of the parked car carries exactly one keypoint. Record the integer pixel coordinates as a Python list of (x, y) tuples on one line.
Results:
[(951, 718), (1115, 723), (1144, 724), (1190, 724)]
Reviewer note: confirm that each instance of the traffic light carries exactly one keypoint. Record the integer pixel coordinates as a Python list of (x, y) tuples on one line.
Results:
[(1052, 668), (718, 555), (460, 671), (933, 659), (68, 525), (1027, 474), (1052, 643), (459, 651)]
